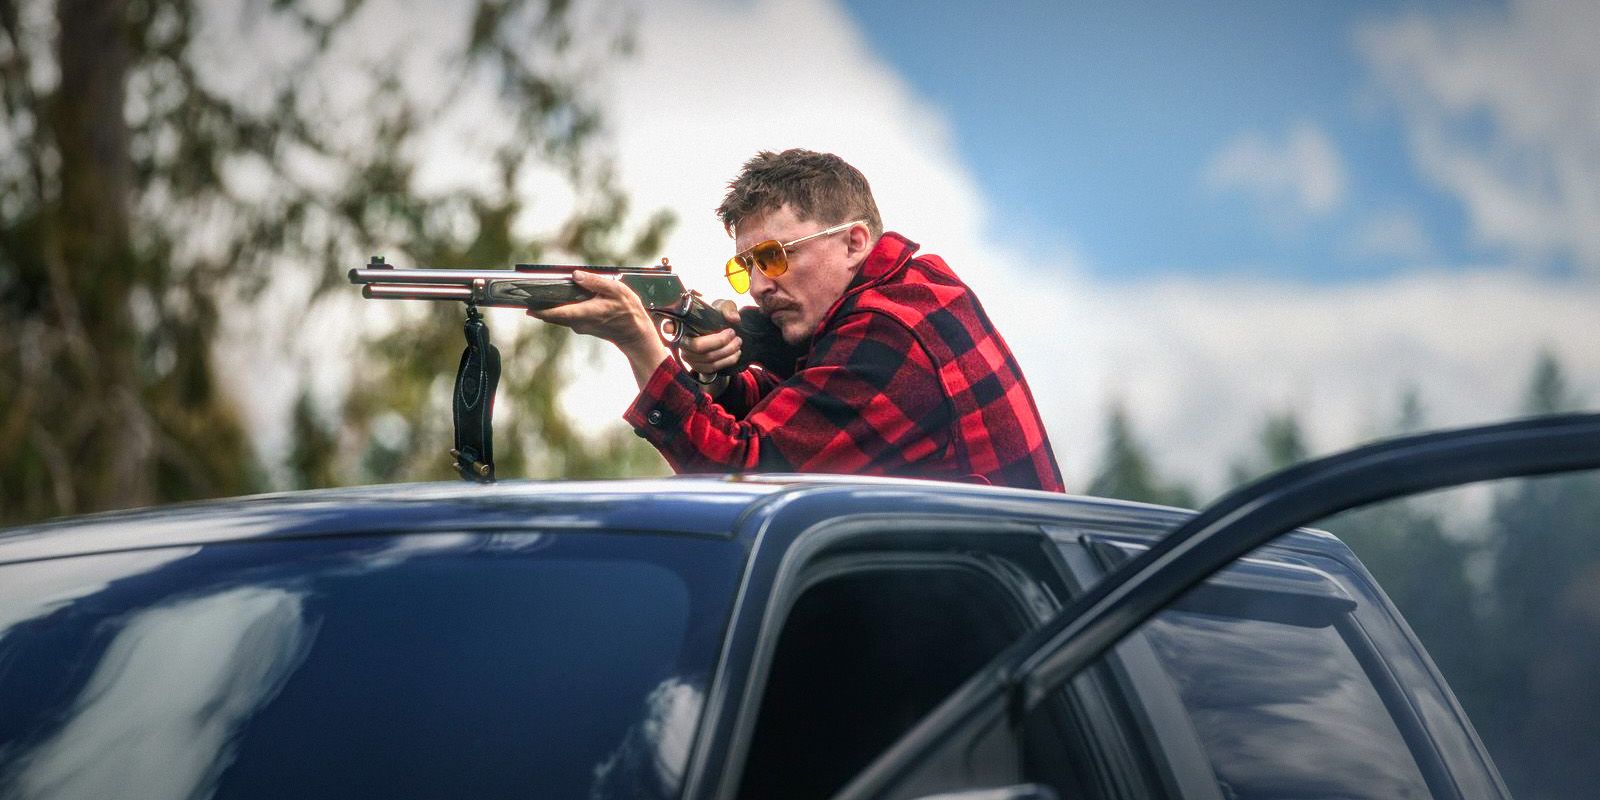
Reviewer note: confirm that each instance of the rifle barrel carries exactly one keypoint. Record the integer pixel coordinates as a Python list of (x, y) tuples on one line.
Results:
[(401, 291)]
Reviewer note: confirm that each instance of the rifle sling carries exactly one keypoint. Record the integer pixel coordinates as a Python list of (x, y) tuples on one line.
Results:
[(472, 403)]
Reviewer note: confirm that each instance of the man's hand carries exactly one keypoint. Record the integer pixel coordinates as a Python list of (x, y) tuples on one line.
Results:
[(713, 352), (615, 314)]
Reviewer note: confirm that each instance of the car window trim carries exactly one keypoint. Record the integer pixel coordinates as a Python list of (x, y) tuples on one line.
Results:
[(1135, 674), (813, 545)]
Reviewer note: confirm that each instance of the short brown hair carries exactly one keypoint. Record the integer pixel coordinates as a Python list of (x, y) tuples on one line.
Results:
[(817, 186)]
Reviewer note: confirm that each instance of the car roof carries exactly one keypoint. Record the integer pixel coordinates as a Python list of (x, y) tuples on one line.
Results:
[(703, 506), (692, 507)]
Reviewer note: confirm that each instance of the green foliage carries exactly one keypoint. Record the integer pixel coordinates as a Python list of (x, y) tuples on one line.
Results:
[(1282, 445), (108, 322), (1518, 644), (126, 235), (1126, 472), (1548, 392), (1544, 620)]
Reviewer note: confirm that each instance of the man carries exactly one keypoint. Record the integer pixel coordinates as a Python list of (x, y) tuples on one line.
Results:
[(903, 372)]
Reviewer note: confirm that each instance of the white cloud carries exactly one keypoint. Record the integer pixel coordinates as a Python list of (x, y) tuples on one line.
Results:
[(44, 587), (1199, 362), (161, 710), (1391, 234), (685, 118), (1502, 109), (1304, 170)]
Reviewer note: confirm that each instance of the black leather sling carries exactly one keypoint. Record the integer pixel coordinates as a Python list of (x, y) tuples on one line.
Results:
[(473, 402)]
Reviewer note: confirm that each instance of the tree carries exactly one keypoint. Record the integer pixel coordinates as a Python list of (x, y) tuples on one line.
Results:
[(138, 200), (1282, 445), (1424, 570), (1546, 617), (1548, 392), (1126, 472)]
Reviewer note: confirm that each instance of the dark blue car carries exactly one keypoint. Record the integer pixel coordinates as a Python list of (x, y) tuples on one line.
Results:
[(771, 637)]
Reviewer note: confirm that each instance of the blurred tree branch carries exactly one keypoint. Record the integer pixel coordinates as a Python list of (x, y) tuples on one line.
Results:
[(140, 201)]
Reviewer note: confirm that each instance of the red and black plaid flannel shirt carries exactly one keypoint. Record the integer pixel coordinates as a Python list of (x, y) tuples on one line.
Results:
[(906, 376)]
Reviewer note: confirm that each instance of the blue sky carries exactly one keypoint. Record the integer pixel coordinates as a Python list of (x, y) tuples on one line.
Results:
[(1203, 214), (1096, 122)]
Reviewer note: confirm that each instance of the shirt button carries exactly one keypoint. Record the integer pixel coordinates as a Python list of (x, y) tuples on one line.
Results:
[(654, 417)]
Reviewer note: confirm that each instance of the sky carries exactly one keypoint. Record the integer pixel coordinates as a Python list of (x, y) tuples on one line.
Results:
[(1206, 214), (1146, 134), (1207, 217)]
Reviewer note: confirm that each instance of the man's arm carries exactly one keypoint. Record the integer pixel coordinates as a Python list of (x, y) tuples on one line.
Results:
[(868, 402), (746, 390), (615, 314)]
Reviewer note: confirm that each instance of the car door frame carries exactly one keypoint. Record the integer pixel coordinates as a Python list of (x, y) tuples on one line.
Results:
[(1017, 681), (806, 525)]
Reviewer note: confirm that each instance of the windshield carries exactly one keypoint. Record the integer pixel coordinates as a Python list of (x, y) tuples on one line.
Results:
[(442, 665)]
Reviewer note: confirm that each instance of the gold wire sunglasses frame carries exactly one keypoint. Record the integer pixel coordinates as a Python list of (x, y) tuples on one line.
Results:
[(771, 257)]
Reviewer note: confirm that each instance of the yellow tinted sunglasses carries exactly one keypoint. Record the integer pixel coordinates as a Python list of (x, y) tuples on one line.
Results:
[(771, 257)]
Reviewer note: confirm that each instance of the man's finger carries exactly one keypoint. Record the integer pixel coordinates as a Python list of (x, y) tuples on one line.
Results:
[(566, 313), (553, 315), (599, 285), (727, 351), (730, 311), (709, 342)]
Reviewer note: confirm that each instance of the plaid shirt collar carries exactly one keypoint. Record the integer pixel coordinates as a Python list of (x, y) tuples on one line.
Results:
[(887, 259)]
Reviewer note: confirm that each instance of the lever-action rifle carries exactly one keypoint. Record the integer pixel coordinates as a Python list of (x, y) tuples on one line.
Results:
[(540, 286)]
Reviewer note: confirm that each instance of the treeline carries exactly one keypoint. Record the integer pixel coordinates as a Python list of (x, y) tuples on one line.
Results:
[(142, 204), (1505, 597)]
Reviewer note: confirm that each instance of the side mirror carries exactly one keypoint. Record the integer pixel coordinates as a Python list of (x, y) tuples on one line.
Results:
[(1021, 791)]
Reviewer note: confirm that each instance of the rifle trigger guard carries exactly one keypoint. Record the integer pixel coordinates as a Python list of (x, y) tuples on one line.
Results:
[(670, 337)]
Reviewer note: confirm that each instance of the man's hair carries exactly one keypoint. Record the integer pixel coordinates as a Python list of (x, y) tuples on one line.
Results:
[(817, 186)]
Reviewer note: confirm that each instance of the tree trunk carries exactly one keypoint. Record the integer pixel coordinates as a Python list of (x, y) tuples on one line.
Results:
[(108, 435)]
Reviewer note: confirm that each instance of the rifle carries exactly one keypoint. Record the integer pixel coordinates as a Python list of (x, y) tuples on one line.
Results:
[(540, 286)]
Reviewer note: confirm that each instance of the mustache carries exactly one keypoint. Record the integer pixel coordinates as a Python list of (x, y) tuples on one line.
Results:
[(771, 307)]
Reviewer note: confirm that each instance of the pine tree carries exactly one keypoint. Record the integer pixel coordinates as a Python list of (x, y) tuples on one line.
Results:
[(126, 235), (1282, 445), (1545, 537), (1423, 568), (1548, 392), (1126, 472)]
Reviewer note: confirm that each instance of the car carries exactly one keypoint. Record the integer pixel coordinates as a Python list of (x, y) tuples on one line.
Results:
[(762, 636)]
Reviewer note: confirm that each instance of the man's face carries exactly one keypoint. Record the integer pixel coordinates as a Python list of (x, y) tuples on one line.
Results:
[(820, 269)]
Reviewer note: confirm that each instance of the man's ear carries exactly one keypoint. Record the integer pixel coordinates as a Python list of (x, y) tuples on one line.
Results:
[(858, 243)]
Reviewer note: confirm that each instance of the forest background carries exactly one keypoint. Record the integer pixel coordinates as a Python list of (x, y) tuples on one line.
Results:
[(183, 185)]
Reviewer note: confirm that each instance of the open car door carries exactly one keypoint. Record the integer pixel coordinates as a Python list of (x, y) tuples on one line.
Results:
[(945, 753)]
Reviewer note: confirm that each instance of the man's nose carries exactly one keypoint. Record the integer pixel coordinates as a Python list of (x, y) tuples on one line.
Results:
[(760, 285)]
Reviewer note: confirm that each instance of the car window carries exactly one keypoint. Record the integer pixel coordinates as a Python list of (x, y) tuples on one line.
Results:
[(1501, 584), (1120, 610), (1293, 677), (863, 654), (443, 665), (1282, 704)]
